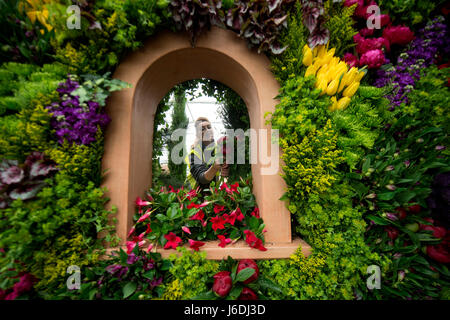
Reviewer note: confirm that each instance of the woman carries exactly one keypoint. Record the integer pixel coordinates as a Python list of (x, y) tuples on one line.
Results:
[(202, 163)]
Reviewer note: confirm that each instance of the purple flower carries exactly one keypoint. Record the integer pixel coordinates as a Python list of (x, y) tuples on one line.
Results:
[(155, 282), (132, 258), (391, 216), (439, 148)]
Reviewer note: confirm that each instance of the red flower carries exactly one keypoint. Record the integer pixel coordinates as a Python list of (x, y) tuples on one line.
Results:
[(197, 206), (198, 216), (438, 232), (223, 241), (148, 229), (218, 223), (238, 213), (218, 208), (255, 212), (191, 194), (384, 20), (401, 213), (248, 263), (439, 253), (172, 241), (398, 35), (222, 283), (392, 232), (351, 60), (193, 244), (131, 231), (231, 219), (234, 187), (248, 294), (415, 208), (373, 59), (253, 241)]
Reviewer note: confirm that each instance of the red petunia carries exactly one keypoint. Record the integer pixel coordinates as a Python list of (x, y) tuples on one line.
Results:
[(218, 223), (172, 241), (231, 218), (193, 244), (238, 213), (223, 240)]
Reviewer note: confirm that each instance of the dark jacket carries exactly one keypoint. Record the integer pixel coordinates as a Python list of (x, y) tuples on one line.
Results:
[(199, 167)]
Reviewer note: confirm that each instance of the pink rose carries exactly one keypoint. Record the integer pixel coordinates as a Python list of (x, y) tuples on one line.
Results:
[(351, 60), (398, 35), (373, 59)]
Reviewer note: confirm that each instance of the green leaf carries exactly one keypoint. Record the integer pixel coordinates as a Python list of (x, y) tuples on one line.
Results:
[(386, 196), (149, 274), (129, 289), (268, 284), (378, 220), (244, 274), (235, 292), (205, 296), (161, 217)]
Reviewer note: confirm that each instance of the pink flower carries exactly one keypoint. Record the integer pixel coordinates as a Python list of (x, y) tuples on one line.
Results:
[(398, 35), (146, 215), (150, 247), (130, 246), (364, 45), (193, 244), (351, 60), (218, 223), (186, 229), (223, 241), (141, 203), (366, 32), (373, 59), (197, 206), (385, 20), (191, 194), (172, 241), (131, 232), (148, 229)]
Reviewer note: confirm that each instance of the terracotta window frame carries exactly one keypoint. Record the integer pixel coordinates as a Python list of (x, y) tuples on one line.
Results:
[(166, 60)]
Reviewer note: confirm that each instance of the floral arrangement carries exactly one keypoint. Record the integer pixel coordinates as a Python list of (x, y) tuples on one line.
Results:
[(421, 54), (333, 75), (371, 48), (171, 217), (79, 113)]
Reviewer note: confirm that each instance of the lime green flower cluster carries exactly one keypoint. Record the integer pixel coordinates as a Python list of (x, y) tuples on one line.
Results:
[(189, 274)]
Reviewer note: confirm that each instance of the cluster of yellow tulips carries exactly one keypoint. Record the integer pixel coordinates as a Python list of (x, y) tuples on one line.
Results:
[(332, 74)]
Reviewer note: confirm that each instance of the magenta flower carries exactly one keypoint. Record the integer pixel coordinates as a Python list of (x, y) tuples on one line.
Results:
[(373, 59), (186, 229), (351, 60)]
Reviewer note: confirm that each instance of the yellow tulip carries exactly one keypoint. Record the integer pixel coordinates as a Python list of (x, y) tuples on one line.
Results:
[(343, 103), (311, 70), (334, 105), (351, 90), (323, 70), (341, 86), (321, 51), (322, 85), (359, 76), (332, 87), (351, 76), (305, 47), (307, 57)]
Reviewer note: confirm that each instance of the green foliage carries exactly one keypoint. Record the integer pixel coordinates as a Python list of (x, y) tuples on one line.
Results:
[(179, 121), (411, 12), (359, 125), (28, 229), (339, 22), (189, 275), (21, 83), (288, 64)]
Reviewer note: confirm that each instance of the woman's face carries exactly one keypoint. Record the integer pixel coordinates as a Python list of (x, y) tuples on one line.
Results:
[(207, 131)]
